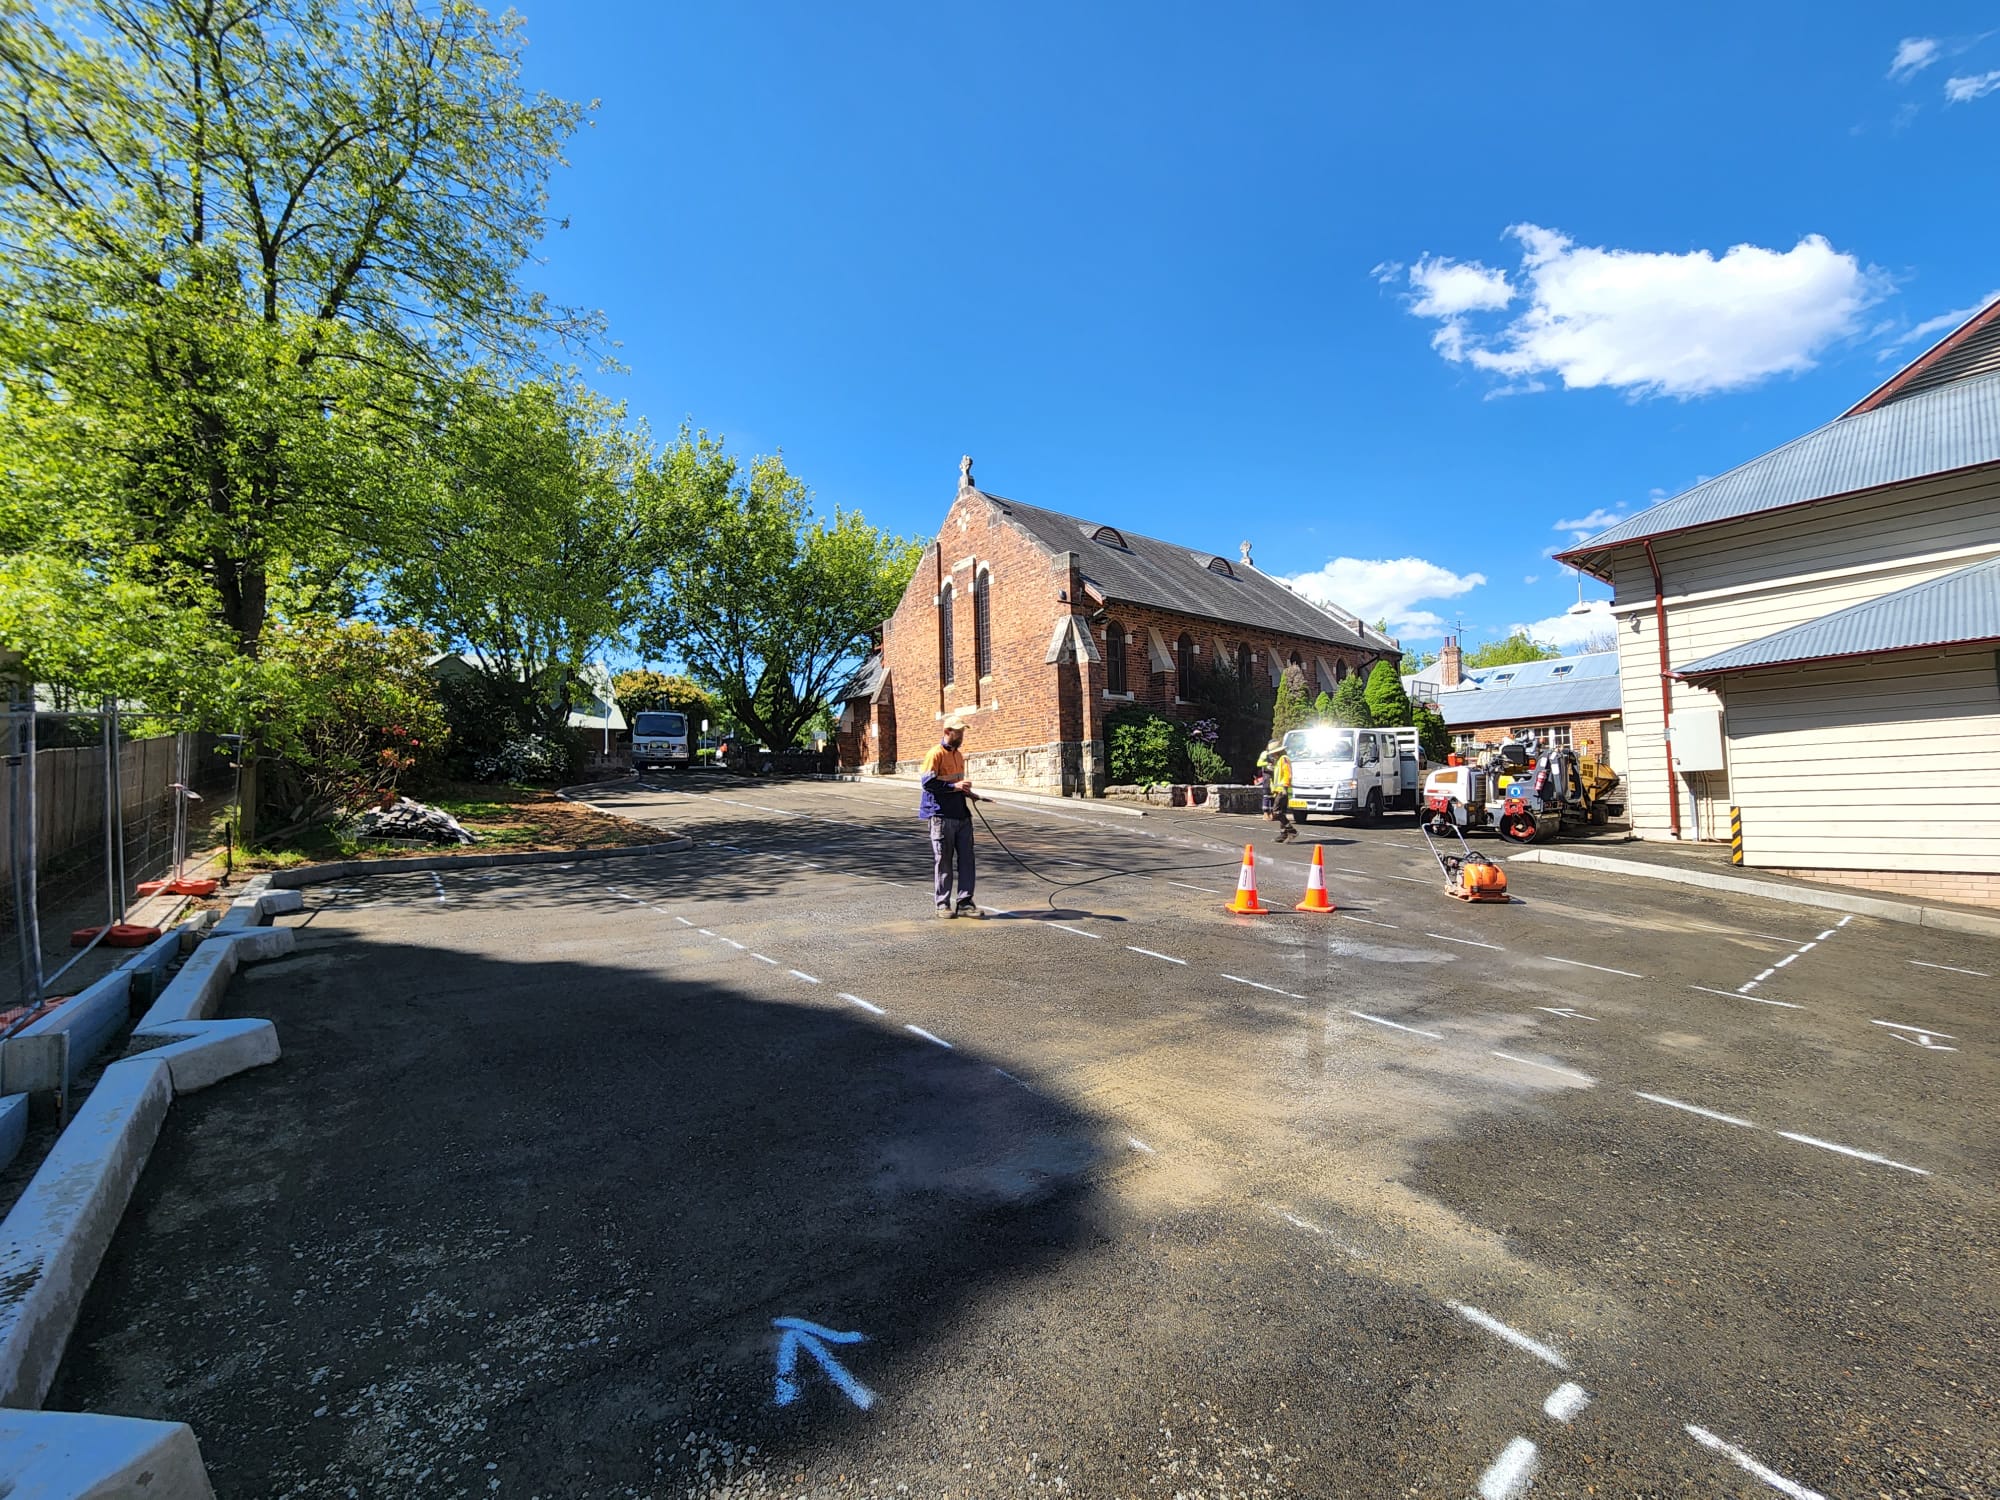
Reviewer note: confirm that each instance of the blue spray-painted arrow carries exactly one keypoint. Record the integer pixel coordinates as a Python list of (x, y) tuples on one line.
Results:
[(813, 1338)]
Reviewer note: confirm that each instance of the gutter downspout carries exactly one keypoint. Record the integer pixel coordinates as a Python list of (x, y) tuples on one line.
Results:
[(937, 615), (1666, 690)]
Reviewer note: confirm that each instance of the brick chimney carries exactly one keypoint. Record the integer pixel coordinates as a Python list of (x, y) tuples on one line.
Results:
[(1451, 663)]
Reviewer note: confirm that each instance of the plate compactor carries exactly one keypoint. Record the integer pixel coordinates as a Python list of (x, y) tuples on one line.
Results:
[(1468, 875)]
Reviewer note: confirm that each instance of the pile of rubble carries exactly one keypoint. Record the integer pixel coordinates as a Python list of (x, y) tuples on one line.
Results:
[(406, 819)]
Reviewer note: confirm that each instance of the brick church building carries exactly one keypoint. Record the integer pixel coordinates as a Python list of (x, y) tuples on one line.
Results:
[(1034, 626)]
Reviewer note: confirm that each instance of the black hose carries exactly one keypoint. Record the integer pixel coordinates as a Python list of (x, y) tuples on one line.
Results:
[(1070, 885)]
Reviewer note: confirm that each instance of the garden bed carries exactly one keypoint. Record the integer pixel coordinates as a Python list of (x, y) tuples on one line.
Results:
[(504, 819)]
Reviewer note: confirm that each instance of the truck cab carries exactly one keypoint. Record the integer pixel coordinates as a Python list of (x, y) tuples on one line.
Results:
[(1359, 773), (660, 739)]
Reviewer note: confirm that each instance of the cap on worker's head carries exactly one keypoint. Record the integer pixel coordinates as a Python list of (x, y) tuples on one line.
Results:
[(954, 722), (1274, 745)]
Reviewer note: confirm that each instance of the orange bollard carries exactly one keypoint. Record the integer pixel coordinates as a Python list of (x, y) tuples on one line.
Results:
[(1316, 896), (1245, 903)]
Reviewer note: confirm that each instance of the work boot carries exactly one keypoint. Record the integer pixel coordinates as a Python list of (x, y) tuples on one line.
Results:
[(966, 908), (946, 911)]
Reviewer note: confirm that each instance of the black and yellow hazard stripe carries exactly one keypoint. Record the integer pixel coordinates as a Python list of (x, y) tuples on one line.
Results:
[(1736, 835)]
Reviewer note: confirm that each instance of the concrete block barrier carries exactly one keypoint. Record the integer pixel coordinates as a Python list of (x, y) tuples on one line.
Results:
[(13, 1127), (193, 994), (52, 1241), (200, 1053), (90, 1019), (67, 1455)]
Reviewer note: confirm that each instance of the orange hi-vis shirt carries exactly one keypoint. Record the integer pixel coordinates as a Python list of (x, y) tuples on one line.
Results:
[(942, 766)]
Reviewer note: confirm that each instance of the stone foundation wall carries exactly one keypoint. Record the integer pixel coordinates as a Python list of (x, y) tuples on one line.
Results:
[(1059, 769)]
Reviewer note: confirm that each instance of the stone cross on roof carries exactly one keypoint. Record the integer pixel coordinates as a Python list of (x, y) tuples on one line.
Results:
[(965, 472), (1246, 552)]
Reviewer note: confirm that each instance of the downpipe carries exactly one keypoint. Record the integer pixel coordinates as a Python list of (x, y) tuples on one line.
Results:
[(1666, 690)]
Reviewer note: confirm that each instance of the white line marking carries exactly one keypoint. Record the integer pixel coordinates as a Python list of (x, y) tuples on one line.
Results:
[(1256, 986), (1824, 935), (1363, 1015), (1765, 975), (1008, 1076), (1365, 922), (1787, 959), (763, 960), (1696, 1109), (704, 932), (1808, 947), (1843, 922), (739, 947), (1975, 973), (1139, 1145), (1151, 954), (1095, 937), (437, 883), (1528, 1062), (1750, 1465), (1880, 1161), (1566, 1400), (1445, 937), (1579, 964), (1564, 1010), (684, 921), (1206, 890), (1349, 870), (867, 1005), (1920, 1030), (1734, 995), (801, 974), (929, 1037), (1510, 1473), (1513, 1336), (1297, 1223), (1409, 879)]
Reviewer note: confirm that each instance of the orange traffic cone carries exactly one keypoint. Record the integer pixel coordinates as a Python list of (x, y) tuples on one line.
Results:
[(1316, 897), (1246, 903)]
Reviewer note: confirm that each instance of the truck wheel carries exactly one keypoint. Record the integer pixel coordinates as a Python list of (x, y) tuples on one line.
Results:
[(1372, 812)]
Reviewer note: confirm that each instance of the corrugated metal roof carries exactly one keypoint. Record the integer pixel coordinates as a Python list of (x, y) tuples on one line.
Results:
[(1167, 575), (1959, 607), (1955, 426), (1556, 669), (1582, 699), (1973, 348)]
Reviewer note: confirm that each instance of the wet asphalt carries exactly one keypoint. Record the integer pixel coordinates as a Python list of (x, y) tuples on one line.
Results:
[(736, 1173)]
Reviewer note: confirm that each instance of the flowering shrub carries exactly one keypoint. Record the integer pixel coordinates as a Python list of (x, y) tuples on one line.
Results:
[(535, 757)]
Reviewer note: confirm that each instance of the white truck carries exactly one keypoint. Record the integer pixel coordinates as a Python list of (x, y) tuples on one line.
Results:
[(659, 739), (1359, 773)]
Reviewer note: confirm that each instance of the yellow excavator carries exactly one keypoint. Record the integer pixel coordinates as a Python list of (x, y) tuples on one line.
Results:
[(1525, 796)]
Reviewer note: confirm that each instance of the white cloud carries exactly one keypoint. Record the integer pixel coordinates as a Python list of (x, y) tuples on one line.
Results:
[(1648, 322), (1972, 86), (1566, 630), (1532, 578), (1447, 288), (1387, 588), (1930, 328), (1584, 527), (1913, 55)]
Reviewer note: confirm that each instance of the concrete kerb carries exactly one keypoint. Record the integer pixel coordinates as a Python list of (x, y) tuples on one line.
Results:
[(1908, 912), (346, 869), (52, 1241), (68, 1455)]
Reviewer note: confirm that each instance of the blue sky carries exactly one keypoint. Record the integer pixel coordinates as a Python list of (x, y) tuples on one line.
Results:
[(1390, 294)]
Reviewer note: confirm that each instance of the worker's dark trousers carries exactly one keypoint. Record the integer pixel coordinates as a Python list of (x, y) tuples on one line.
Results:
[(951, 843)]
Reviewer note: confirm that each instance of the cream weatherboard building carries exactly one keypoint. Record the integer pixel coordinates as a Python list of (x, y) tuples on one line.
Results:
[(1813, 639)]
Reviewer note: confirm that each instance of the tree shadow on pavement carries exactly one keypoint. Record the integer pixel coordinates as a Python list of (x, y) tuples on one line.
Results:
[(532, 1222)]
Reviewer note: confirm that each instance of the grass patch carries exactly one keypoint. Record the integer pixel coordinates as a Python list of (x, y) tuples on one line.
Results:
[(502, 818)]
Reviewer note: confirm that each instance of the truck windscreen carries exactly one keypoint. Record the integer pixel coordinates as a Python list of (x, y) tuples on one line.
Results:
[(660, 725)]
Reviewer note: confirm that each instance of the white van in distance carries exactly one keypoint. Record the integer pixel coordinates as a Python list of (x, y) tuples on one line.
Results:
[(1361, 773), (661, 739)]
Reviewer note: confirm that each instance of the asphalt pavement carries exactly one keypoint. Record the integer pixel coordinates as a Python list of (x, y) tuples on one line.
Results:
[(737, 1173)]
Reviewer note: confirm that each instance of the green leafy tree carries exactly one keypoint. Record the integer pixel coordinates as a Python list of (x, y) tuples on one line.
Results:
[(1293, 709), (240, 241), (1432, 732), (533, 542), (1350, 703), (642, 691), (1323, 708), (761, 598), (1241, 710), (1515, 649), (1388, 704)]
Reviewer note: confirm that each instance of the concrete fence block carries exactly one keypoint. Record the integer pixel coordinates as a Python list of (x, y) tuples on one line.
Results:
[(52, 1241), (68, 1455), (200, 1053), (13, 1127), (193, 994), (90, 1020)]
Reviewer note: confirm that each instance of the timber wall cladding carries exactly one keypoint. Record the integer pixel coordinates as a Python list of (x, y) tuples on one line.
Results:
[(69, 793)]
